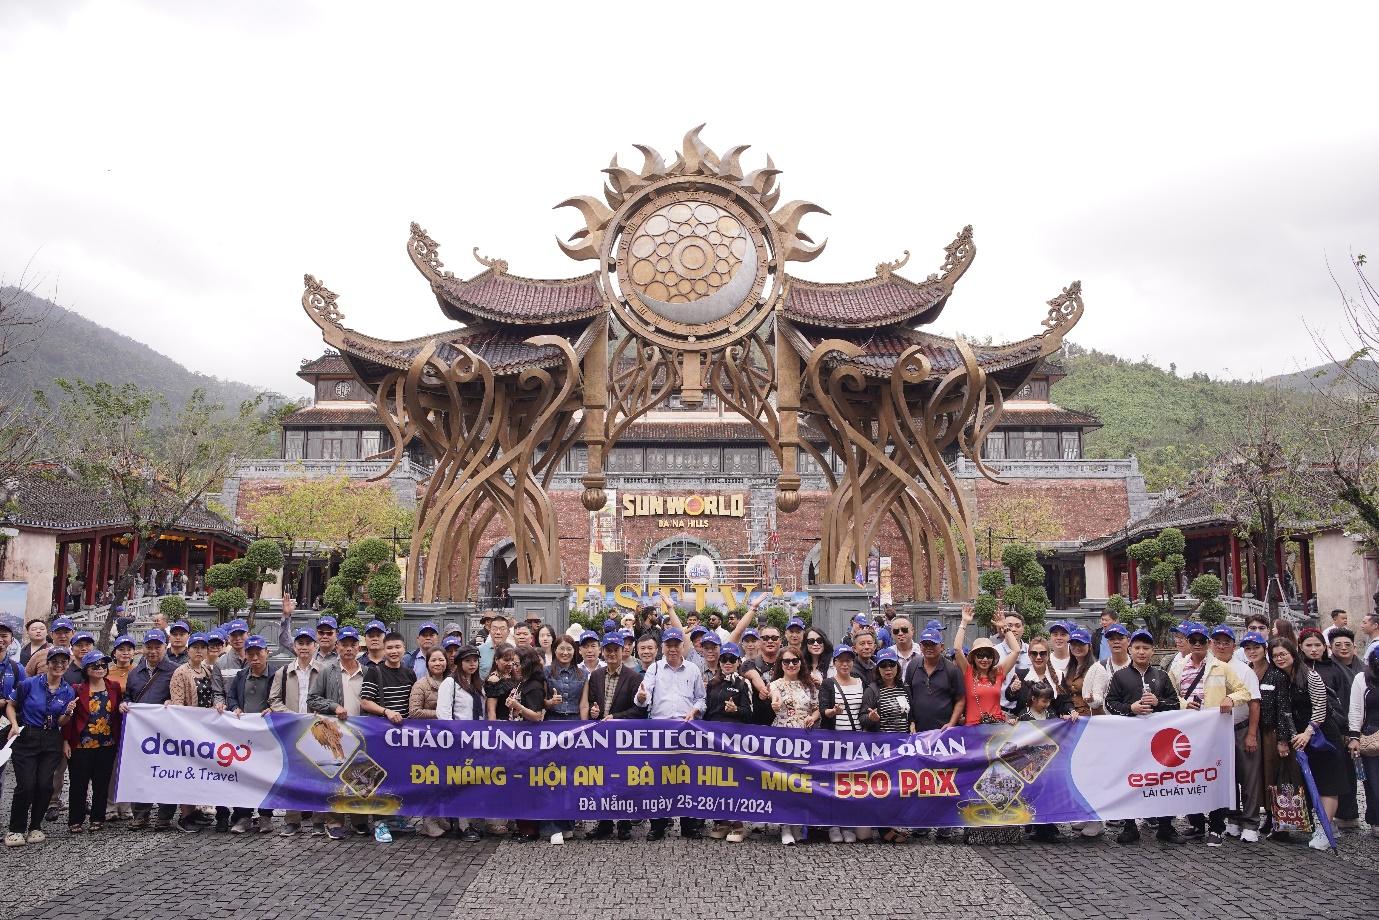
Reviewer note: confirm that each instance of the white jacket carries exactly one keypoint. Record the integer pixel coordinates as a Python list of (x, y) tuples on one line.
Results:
[(454, 702)]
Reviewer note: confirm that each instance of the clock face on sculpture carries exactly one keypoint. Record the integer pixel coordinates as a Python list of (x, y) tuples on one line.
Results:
[(689, 264)]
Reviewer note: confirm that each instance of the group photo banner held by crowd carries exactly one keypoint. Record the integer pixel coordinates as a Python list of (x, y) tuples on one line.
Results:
[(1047, 772)]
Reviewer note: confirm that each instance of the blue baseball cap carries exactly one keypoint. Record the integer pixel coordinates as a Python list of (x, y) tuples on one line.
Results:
[(327, 621), (126, 639), (1194, 629), (697, 631), (216, 635), (1254, 638), (612, 638), (931, 635), (730, 650), (1078, 634), (93, 657), (348, 632), (375, 626), (197, 639), (672, 634), (844, 650), (256, 642), (750, 633), (1059, 624), (588, 636), (861, 619), (934, 625), (1142, 635), (1115, 629), (83, 637), (63, 623), (58, 650), (1223, 632), (452, 642), (306, 634), (235, 626), (182, 625), (1181, 628), (428, 625), (795, 623), (887, 654), (155, 635), (610, 625), (711, 638)]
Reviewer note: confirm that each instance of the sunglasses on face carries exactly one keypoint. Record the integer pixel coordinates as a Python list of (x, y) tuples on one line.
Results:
[(770, 638), (816, 641), (1038, 654), (91, 667), (1197, 640), (901, 630), (789, 661)]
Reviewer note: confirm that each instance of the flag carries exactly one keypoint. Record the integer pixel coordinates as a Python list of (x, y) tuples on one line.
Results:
[(860, 578)]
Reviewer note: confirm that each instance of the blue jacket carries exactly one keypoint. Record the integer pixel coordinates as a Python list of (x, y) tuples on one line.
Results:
[(38, 707)]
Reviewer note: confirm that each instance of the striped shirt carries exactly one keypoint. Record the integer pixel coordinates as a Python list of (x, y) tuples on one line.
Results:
[(390, 688)]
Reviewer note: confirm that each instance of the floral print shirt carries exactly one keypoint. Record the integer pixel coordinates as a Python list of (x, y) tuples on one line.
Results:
[(97, 734)]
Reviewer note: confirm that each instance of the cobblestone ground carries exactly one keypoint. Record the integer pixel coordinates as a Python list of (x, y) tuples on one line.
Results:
[(127, 874)]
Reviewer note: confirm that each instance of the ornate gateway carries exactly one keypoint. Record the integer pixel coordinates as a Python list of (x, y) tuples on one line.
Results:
[(690, 293)]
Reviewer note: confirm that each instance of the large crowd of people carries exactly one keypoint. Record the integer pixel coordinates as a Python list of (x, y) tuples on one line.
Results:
[(1287, 692)]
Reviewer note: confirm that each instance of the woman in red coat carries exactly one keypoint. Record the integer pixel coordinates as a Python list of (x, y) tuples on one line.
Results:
[(90, 740)]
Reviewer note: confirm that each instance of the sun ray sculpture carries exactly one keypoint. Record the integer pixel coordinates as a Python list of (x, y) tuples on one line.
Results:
[(690, 294)]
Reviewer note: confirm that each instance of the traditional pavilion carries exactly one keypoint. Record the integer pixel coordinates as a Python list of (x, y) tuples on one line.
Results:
[(691, 295)]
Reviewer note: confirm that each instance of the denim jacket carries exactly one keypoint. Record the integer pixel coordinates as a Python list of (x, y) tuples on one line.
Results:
[(569, 683)]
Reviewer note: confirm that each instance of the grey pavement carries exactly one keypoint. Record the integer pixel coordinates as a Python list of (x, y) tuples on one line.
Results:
[(120, 873)]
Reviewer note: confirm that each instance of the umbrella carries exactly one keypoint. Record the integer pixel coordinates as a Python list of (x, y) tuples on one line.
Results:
[(1317, 808)]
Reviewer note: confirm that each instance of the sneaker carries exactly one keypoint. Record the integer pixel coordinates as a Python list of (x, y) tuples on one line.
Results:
[(849, 836), (625, 834), (737, 835), (14, 840), (52, 813), (718, 831), (361, 830), (787, 837), (470, 835), (185, 825), (557, 839), (1129, 833), (381, 833), (290, 830), (241, 826), (1318, 841), (265, 825), (138, 824), (1214, 839), (835, 835), (1194, 833), (1170, 835), (201, 819), (1232, 829), (162, 825), (39, 837), (336, 833), (1249, 835)]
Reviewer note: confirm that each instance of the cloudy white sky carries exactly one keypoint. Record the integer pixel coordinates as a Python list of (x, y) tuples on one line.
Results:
[(172, 168)]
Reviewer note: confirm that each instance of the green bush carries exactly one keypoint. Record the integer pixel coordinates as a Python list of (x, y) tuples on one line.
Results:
[(172, 606), (1160, 559), (1207, 589), (992, 581), (222, 575), (1119, 606), (228, 600)]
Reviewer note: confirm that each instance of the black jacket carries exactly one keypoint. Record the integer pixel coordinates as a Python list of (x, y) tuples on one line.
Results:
[(830, 697), (1127, 687), (1062, 699), (739, 690), (624, 702)]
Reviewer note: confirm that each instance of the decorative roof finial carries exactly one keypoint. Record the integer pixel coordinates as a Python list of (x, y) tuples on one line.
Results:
[(884, 269), (499, 266)]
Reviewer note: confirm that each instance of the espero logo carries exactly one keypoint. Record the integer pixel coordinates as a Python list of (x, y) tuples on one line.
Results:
[(1172, 748)]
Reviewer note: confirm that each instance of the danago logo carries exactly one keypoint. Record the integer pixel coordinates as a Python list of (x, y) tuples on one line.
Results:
[(1170, 747), (224, 753)]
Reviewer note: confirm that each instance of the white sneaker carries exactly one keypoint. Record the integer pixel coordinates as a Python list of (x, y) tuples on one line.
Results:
[(786, 837), (557, 839), (849, 836), (14, 840), (718, 831), (835, 835), (1249, 835), (37, 837), (737, 835), (1232, 829), (1319, 841)]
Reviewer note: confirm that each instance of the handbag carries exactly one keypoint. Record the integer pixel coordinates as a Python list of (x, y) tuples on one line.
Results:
[(1369, 744), (1287, 800)]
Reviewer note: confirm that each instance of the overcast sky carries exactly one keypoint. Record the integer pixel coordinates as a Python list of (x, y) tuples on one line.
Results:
[(172, 169)]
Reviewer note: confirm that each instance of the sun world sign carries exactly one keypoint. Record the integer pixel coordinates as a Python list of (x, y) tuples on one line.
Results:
[(684, 510)]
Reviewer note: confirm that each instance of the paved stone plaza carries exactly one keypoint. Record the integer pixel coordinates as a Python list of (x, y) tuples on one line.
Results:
[(169, 875)]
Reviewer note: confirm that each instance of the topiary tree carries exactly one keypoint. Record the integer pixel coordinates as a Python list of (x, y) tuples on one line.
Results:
[(1207, 589), (1159, 559), (993, 584), (368, 567), (228, 601), (1026, 594), (249, 573), (1118, 605), (172, 606)]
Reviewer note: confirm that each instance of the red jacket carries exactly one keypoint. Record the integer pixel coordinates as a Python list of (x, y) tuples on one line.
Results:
[(71, 733)]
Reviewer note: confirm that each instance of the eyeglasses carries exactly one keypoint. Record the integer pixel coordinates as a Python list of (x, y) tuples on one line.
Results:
[(816, 641), (789, 661), (1038, 654), (770, 638)]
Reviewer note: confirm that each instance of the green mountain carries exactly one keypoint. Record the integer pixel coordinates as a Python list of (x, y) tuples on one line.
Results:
[(1327, 376), (68, 345), (1172, 424)]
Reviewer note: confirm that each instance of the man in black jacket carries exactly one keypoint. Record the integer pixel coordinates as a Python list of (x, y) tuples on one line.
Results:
[(1139, 690), (611, 693)]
